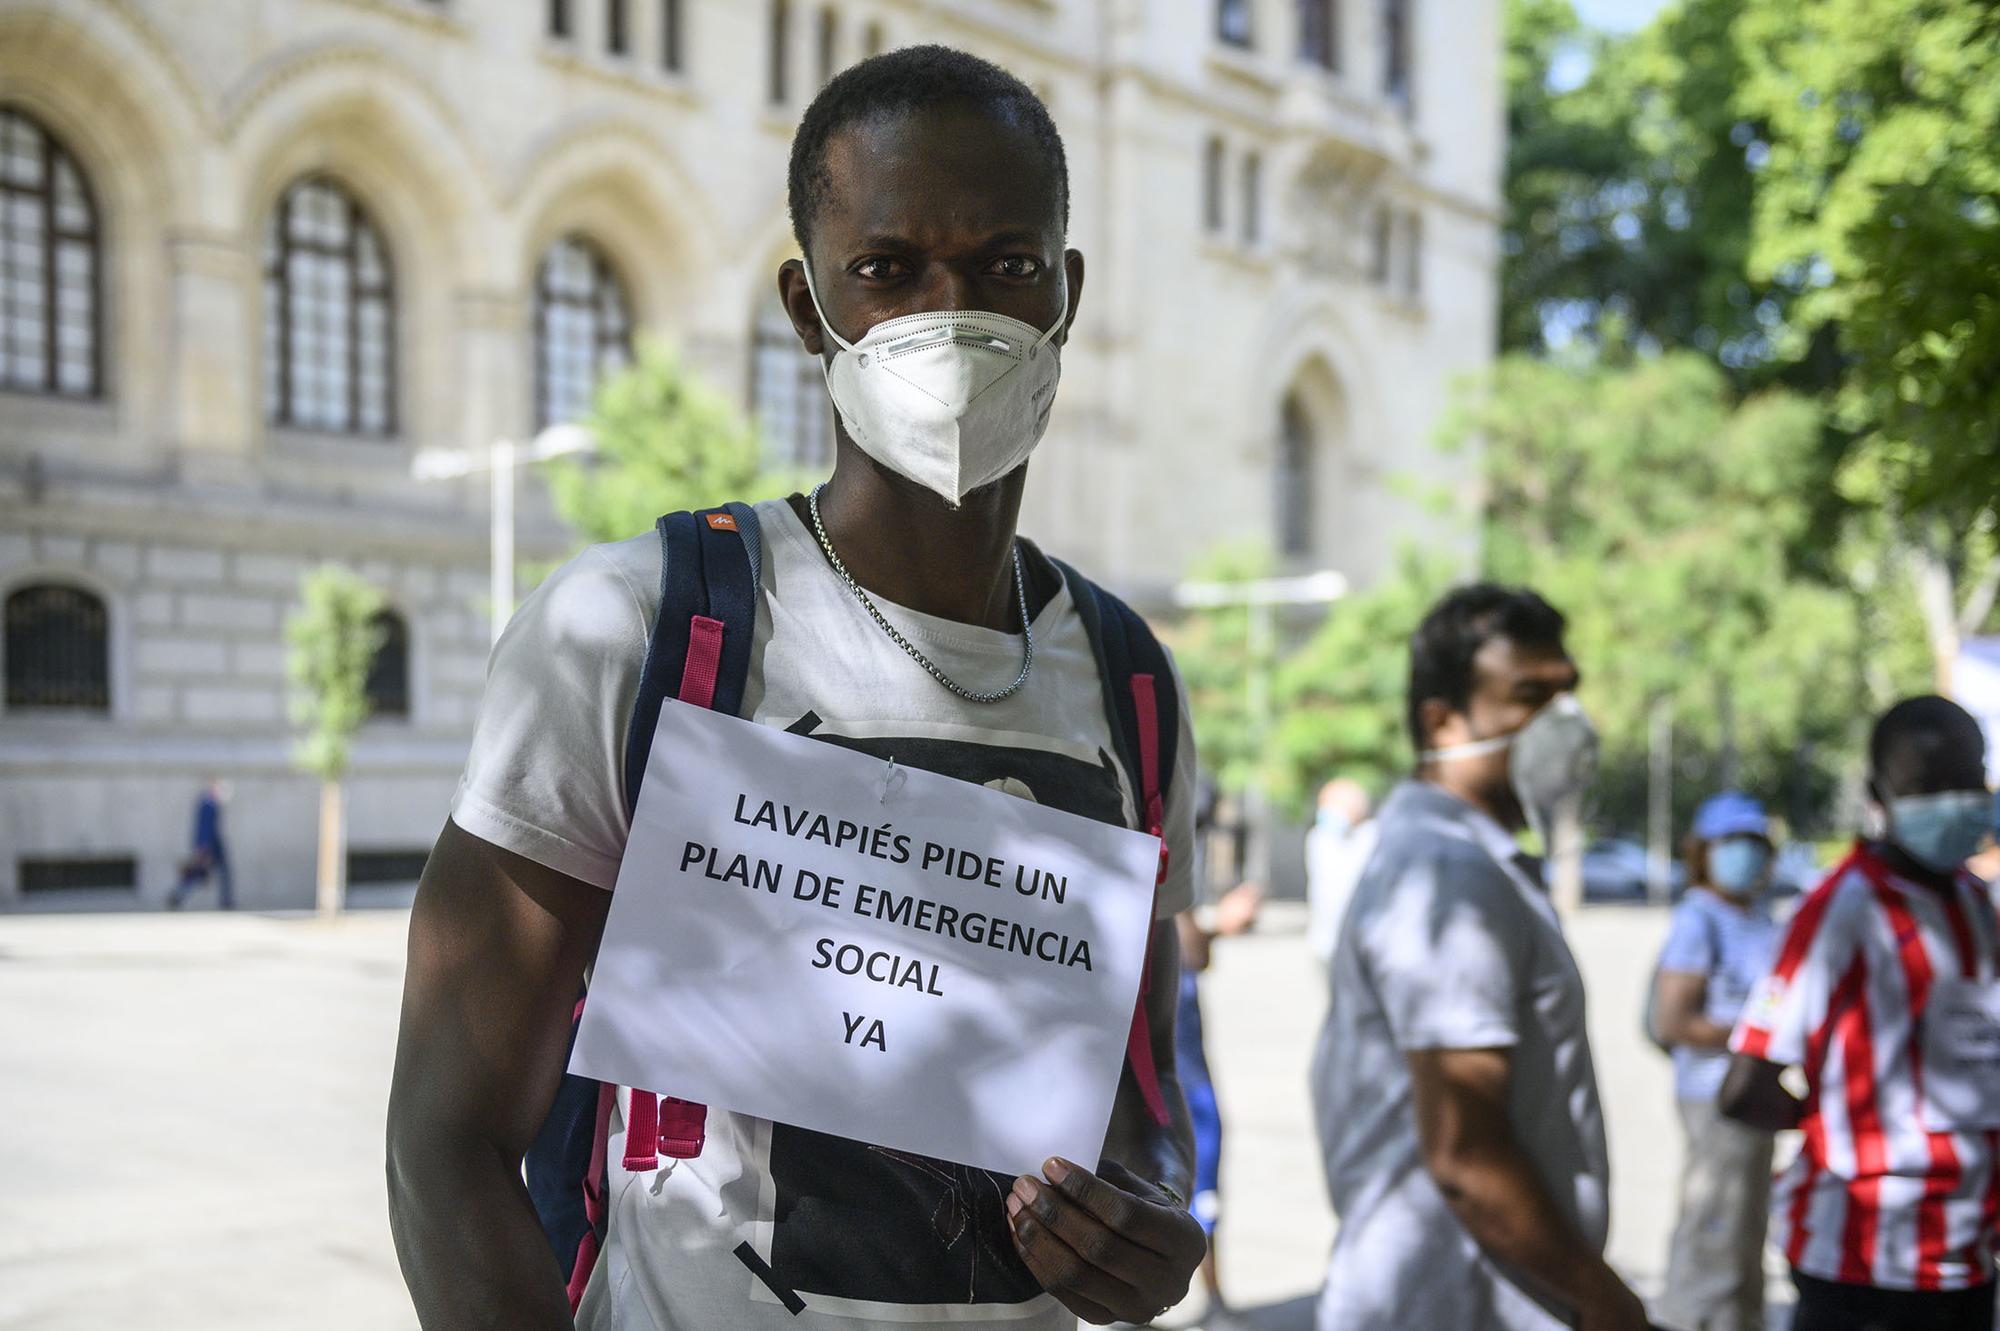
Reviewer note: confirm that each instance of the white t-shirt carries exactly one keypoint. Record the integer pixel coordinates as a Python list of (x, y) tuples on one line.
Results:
[(861, 1235)]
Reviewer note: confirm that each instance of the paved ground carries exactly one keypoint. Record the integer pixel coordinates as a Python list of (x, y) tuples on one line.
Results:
[(193, 1119)]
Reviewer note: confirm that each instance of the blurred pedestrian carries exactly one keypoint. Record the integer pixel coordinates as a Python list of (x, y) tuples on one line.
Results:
[(1719, 945), (1454, 1090), (1233, 914), (1337, 850), (208, 856), (1884, 991)]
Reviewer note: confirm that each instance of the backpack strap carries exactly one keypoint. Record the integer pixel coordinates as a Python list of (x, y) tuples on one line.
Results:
[(699, 652), (1139, 698), (708, 615)]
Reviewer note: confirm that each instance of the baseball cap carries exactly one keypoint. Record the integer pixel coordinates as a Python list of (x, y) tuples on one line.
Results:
[(1732, 813)]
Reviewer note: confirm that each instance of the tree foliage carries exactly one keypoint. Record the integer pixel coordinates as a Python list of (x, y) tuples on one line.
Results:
[(1212, 651), (333, 638), (666, 441), (1664, 518), (1881, 198), (1630, 194)]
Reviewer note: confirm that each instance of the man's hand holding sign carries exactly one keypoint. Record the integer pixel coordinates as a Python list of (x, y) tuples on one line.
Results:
[(809, 935)]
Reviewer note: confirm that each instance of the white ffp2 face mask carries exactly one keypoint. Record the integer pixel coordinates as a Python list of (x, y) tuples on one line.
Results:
[(1552, 763), (952, 399)]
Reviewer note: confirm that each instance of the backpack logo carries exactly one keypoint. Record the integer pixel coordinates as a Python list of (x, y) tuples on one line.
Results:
[(722, 521)]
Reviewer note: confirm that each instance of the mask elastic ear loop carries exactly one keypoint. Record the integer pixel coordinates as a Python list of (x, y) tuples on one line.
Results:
[(1478, 748), (1062, 315), (825, 324)]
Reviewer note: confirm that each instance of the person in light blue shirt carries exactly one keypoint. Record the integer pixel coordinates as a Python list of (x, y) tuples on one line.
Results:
[(1718, 947)]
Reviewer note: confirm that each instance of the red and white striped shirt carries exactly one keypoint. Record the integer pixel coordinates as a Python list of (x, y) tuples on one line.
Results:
[(1875, 1197)]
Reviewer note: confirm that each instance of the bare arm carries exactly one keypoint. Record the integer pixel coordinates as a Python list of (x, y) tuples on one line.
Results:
[(1678, 999), (498, 946), (1753, 1094), (1491, 1186)]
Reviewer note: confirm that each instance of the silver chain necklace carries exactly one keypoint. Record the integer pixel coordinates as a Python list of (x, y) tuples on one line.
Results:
[(970, 695)]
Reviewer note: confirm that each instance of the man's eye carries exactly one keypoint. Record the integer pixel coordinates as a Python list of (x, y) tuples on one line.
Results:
[(1018, 265), (876, 270)]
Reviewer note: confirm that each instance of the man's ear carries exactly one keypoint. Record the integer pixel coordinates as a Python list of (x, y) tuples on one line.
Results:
[(1073, 276), (797, 298), (1442, 726)]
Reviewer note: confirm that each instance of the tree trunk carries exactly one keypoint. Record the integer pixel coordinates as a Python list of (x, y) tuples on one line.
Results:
[(1938, 602), (332, 849)]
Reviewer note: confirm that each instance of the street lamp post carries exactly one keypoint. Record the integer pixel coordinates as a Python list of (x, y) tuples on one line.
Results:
[(1260, 597), (499, 461)]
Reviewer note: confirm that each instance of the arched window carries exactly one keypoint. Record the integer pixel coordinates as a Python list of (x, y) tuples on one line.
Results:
[(1253, 189), (1232, 22), (1295, 479), (559, 18), (828, 43), (617, 31), (329, 314), (1211, 186), (50, 315), (583, 330), (788, 395), (1396, 41), (670, 35), (1319, 33), (58, 649), (781, 41), (388, 685)]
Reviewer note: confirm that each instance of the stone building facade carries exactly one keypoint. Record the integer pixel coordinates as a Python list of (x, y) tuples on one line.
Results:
[(254, 254)]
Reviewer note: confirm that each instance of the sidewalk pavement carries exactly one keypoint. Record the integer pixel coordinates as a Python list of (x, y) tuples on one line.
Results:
[(194, 1118)]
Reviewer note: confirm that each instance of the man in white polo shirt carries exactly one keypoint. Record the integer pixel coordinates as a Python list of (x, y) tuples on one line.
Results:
[(1456, 1099), (1886, 992)]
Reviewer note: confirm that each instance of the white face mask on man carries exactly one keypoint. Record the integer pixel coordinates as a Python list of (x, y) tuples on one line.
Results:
[(1552, 763), (952, 399)]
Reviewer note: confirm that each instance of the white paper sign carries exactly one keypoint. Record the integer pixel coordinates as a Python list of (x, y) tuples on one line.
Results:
[(814, 936)]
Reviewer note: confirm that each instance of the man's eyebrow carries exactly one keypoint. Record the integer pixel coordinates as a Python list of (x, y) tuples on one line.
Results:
[(1028, 236), (882, 240)]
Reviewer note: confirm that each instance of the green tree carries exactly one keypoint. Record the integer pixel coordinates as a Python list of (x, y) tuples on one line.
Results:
[(333, 638), (1340, 695), (1881, 199), (665, 441), (1630, 196), (1663, 518), (1213, 654)]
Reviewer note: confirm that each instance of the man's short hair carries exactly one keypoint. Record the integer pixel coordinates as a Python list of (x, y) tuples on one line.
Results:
[(1442, 648), (1910, 735), (912, 79)]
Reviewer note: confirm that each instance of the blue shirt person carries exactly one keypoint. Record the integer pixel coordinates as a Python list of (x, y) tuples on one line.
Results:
[(1719, 945)]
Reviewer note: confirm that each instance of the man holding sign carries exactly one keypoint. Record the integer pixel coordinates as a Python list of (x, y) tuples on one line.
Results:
[(1886, 993), (890, 924)]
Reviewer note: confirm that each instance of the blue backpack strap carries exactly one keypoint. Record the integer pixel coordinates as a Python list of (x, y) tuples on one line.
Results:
[(1125, 646), (710, 565), (711, 562), (1145, 716)]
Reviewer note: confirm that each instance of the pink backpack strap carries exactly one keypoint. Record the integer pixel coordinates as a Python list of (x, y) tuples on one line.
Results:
[(671, 1126), (594, 1203), (1139, 1047)]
